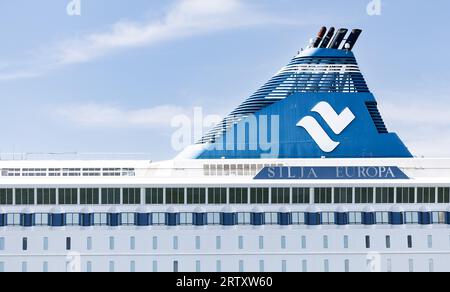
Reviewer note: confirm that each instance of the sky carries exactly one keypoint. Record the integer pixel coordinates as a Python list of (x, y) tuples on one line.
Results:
[(111, 79)]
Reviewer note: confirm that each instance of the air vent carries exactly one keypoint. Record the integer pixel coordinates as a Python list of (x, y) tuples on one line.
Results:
[(372, 107)]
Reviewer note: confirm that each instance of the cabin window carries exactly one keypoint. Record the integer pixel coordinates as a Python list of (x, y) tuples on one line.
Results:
[(298, 218), (355, 218), (175, 196), (301, 196), (368, 244), (244, 218), (186, 219), (281, 196), (388, 242), (271, 218), (364, 195), (128, 219), (328, 218), (196, 196), (343, 195), (259, 196), (238, 196), (213, 218), (217, 196), (131, 196), (385, 195), (406, 195), (411, 218), (24, 196), (72, 219), (322, 195), (444, 195), (110, 196), (89, 196), (6, 196), (410, 241), (68, 196), (154, 196), (426, 195)]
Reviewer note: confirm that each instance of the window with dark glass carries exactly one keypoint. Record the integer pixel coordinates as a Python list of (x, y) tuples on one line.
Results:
[(259, 196), (444, 195), (111, 196), (196, 196), (24, 196), (301, 196), (364, 195), (68, 196), (68, 243), (131, 196), (25, 243), (89, 197), (217, 196), (46, 196), (368, 241), (238, 196), (322, 196), (426, 195), (175, 196), (406, 195), (281, 196), (343, 195), (388, 242), (6, 196), (154, 196), (410, 241), (385, 195)]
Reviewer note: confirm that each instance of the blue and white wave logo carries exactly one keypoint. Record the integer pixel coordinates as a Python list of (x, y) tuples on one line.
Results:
[(337, 122)]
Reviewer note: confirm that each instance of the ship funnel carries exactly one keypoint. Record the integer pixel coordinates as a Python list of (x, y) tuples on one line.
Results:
[(338, 38), (352, 39), (327, 38), (319, 37)]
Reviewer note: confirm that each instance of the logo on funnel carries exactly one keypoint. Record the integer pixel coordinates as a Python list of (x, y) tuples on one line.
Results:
[(337, 122)]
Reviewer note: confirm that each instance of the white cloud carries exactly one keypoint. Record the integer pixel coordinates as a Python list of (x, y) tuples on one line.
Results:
[(14, 75), (96, 115), (184, 18)]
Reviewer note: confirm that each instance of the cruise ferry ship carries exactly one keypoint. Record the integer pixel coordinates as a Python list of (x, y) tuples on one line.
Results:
[(303, 176)]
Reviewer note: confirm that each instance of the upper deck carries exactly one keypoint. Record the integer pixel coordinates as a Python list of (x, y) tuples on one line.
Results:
[(208, 172)]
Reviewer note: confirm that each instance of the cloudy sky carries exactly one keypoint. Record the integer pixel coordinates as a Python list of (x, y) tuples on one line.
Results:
[(111, 79)]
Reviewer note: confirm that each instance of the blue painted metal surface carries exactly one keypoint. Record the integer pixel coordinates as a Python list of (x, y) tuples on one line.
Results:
[(266, 125), (321, 173)]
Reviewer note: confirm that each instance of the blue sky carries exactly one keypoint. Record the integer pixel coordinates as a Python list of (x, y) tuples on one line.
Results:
[(110, 80)]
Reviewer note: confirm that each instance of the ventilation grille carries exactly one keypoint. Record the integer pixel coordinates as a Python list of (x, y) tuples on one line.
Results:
[(301, 75), (372, 107)]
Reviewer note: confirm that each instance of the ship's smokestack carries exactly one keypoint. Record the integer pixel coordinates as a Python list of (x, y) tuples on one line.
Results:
[(319, 37), (338, 38), (327, 38), (352, 39)]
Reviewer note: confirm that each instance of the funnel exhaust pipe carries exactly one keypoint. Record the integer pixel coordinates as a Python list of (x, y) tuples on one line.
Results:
[(352, 39), (338, 38), (327, 38), (319, 37)]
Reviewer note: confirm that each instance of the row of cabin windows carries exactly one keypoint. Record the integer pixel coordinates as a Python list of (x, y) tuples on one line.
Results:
[(218, 242), (132, 196), (226, 219)]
